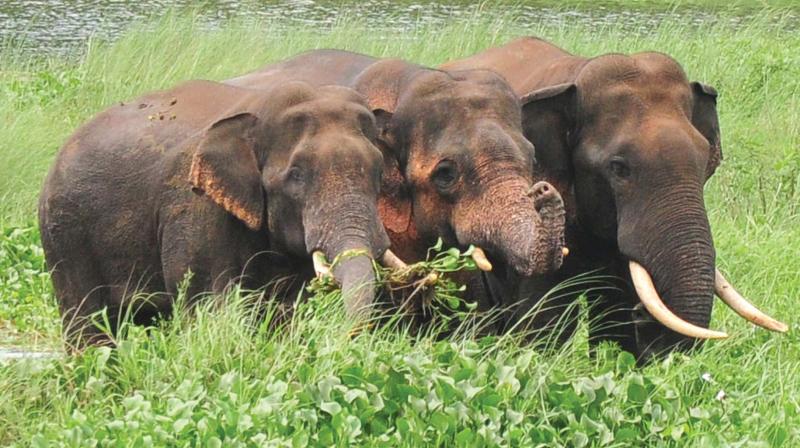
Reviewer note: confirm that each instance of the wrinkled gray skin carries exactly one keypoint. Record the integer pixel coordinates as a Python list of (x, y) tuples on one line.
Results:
[(457, 166), (228, 183), (629, 142)]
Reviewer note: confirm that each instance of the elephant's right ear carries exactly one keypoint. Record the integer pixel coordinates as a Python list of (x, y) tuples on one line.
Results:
[(548, 119), (225, 168)]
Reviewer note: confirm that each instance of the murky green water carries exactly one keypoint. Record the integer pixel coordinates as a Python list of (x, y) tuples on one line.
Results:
[(58, 25)]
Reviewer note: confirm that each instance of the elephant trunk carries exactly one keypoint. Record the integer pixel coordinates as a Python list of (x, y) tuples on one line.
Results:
[(348, 231), (357, 277), (672, 242), (522, 226)]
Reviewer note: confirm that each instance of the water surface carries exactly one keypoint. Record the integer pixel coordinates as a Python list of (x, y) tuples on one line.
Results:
[(50, 26)]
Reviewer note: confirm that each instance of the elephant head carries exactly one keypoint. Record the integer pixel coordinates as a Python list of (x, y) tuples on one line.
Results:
[(459, 168), (634, 143), (303, 167)]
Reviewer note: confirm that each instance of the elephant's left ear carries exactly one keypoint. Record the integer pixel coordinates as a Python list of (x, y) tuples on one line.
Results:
[(225, 169), (548, 121), (705, 119)]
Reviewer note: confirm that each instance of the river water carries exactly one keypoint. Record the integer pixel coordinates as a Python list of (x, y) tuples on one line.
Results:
[(55, 26)]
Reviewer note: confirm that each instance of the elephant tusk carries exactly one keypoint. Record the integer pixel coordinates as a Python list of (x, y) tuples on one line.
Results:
[(390, 260), (655, 306), (480, 259), (742, 307), (321, 267)]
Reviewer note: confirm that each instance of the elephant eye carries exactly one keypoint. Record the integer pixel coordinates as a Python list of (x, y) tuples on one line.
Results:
[(619, 168), (295, 174), (445, 174)]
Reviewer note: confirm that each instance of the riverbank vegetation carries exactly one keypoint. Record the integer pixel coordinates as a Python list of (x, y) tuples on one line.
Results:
[(221, 377)]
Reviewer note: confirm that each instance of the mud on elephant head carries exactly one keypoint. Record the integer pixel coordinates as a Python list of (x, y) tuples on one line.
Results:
[(459, 168)]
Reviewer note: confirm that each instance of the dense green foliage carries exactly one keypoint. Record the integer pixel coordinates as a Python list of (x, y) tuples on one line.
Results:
[(219, 376)]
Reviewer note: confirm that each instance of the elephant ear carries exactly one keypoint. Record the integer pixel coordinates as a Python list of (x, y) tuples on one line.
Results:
[(705, 120), (225, 169), (386, 137), (548, 120), (394, 203)]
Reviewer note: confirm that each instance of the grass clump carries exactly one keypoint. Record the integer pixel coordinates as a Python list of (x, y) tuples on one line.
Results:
[(220, 376)]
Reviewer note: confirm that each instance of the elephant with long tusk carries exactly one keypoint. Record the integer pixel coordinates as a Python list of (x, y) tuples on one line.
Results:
[(234, 185), (629, 141), (655, 306)]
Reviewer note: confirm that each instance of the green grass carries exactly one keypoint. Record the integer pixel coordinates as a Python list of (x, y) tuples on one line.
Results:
[(221, 377)]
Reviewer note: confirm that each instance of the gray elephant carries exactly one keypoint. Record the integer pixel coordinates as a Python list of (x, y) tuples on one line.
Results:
[(228, 183), (629, 142)]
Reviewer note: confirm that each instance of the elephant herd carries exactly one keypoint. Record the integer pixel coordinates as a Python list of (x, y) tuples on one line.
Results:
[(550, 164)]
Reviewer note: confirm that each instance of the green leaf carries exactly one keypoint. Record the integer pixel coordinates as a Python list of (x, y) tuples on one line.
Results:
[(465, 437), (491, 399), (300, 439), (403, 427), (580, 440), (180, 424), (440, 421), (352, 394), (325, 436), (625, 362), (625, 434), (677, 432), (353, 425), (637, 393), (378, 425), (453, 252), (331, 407), (699, 413), (514, 417)]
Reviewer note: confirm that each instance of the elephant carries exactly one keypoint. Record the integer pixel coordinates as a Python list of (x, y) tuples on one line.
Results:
[(456, 164), (232, 184), (630, 143)]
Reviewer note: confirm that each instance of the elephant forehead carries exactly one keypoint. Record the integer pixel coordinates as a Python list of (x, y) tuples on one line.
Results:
[(327, 110), (626, 68), (343, 93), (449, 93), (650, 75), (462, 101), (632, 103)]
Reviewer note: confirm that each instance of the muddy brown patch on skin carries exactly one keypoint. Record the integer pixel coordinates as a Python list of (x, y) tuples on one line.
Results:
[(203, 178), (395, 213), (382, 99), (396, 216)]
